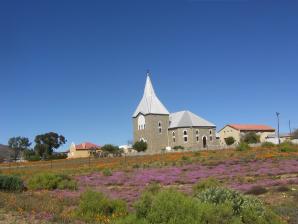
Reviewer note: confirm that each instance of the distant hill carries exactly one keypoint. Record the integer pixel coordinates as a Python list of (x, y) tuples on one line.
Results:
[(5, 152)]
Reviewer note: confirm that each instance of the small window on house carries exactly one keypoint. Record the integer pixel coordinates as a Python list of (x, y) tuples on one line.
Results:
[(174, 139), (173, 133), (210, 131), (185, 132), (197, 132), (159, 129), (197, 138), (185, 139)]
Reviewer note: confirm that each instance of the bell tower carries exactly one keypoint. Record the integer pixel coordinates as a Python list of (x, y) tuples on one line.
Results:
[(151, 120)]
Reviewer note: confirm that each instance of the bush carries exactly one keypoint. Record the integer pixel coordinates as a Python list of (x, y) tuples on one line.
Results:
[(94, 205), (251, 138), (250, 209), (257, 190), (49, 181), (11, 183), (212, 206), (57, 156), (287, 146), (107, 172), (268, 145), (230, 140), (177, 147), (242, 146), (205, 184), (140, 146)]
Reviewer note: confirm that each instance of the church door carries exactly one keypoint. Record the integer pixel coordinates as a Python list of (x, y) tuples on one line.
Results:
[(204, 142)]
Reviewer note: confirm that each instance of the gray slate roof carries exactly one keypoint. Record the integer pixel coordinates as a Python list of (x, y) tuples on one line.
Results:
[(150, 104), (188, 119)]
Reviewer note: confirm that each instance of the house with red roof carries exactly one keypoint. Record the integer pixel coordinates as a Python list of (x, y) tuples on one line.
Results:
[(82, 150), (238, 130)]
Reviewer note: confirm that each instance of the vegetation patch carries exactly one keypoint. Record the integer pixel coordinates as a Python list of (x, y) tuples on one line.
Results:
[(50, 181), (95, 206), (107, 172), (11, 183), (257, 190)]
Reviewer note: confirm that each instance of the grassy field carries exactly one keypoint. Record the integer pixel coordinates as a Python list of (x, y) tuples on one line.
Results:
[(271, 174)]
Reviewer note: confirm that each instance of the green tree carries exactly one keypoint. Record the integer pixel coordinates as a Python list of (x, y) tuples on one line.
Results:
[(251, 138), (46, 143), (230, 140), (112, 149), (18, 144), (140, 146)]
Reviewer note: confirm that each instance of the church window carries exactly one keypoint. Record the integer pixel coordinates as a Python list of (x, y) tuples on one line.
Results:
[(173, 133), (185, 136), (159, 127), (141, 122), (197, 138), (197, 132), (210, 131)]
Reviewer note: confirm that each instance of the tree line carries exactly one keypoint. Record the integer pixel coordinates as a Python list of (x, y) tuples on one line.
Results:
[(45, 144)]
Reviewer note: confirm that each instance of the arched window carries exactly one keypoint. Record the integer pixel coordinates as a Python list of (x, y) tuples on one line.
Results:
[(210, 132), (173, 133), (197, 132), (159, 127), (141, 122), (185, 136), (198, 138)]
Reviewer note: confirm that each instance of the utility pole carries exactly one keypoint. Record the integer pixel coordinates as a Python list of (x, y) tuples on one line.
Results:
[(277, 115), (290, 128)]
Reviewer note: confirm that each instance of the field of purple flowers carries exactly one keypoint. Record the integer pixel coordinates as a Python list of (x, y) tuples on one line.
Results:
[(241, 176)]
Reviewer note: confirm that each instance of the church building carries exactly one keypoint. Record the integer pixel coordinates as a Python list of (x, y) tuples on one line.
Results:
[(154, 124)]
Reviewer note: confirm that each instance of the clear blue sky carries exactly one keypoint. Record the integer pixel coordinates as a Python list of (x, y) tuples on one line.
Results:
[(78, 67)]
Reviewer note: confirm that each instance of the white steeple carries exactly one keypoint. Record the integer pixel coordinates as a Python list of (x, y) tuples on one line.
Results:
[(150, 104)]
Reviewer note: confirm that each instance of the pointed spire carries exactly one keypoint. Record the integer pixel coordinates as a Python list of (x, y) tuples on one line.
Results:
[(150, 104)]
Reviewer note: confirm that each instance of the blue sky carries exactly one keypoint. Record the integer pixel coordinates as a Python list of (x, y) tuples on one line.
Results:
[(79, 67)]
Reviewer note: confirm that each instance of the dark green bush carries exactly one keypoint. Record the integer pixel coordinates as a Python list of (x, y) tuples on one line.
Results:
[(205, 184), (49, 181), (287, 146), (11, 183), (94, 204), (178, 147), (110, 148), (140, 146), (230, 140), (107, 172), (242, 146), (251, 138)]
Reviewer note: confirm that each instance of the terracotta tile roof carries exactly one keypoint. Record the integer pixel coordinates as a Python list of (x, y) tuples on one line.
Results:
[(251, 127), (86, 146)]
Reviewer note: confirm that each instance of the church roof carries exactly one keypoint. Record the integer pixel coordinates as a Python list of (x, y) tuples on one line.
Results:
[(188, 119), (150, 104)]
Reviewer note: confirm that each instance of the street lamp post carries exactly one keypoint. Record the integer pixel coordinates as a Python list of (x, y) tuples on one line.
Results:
[(277, 115)]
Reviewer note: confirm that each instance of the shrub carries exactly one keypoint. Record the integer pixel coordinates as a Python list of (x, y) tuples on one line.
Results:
[(140, 146), (250, 209), (230, 140), (257, 190), (251, 138), (49, 181), (283, 189), (242, 146), (205, 184), (287, 146), (57, 156), (11, 183), (214, 205), (167, 206), (94, 205), (177, 147), (107, 172), (268, 145)]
